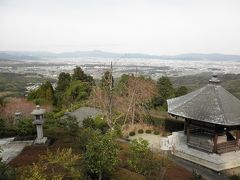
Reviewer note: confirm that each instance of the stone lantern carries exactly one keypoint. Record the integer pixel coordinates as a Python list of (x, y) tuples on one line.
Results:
[(17, 117), (38, 120)]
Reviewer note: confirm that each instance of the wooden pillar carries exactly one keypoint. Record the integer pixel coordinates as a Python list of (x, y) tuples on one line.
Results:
[(237, 135), (188, 130), (185, 126), (215, 142)]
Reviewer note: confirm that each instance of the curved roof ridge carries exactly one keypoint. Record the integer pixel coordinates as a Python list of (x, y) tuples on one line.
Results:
[(189, 99), (230, 93), (216, 87), (231, 96)]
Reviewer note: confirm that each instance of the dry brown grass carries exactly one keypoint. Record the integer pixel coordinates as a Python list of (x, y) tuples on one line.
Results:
[(5, 93), (20, 105)]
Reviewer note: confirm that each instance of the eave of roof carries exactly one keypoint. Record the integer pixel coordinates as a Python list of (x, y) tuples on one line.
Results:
[(212, 104), (38, 111)]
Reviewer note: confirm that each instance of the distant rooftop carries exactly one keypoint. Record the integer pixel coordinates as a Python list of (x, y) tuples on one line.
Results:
[(84, 112), (212, 104)]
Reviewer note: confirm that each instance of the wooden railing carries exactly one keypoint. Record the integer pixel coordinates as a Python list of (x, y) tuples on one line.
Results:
[(204, 131), (227, 147), (201, 145)]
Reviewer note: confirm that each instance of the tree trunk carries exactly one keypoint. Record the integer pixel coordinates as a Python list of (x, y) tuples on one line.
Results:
[(133, 111), (100, 175)]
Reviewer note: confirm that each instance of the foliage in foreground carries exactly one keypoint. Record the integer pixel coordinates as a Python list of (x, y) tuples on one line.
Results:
[(142, 159), (6, 172), (55, 165), (101, 155)]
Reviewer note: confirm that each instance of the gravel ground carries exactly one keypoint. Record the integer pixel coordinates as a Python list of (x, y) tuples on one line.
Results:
[(12, 148), (153, 140)]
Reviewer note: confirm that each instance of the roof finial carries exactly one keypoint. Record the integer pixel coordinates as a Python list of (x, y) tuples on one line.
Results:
[(214, 79)]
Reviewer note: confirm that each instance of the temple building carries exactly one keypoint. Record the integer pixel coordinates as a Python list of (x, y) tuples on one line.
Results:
[(211, 126)]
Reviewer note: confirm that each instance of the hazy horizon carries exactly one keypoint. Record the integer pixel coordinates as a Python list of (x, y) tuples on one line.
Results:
[(156, 27), (114, 52)]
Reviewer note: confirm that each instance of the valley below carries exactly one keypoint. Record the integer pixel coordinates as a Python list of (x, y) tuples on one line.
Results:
[(155, 68)]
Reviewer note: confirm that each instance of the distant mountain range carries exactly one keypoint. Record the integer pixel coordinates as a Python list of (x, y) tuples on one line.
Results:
[(35, 55)]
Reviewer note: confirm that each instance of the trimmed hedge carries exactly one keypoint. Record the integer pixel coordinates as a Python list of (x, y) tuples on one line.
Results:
[(6, 132), (140, 131), (132, 133), (148, 131), (156, 132)]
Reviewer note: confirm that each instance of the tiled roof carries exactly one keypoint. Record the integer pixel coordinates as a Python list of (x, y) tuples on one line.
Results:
[(211, 103)]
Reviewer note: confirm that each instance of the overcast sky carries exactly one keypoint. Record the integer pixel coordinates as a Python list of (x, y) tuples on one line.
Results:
[(144, 26)]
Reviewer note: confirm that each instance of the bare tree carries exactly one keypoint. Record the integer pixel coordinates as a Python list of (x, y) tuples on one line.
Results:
[(102, 97), (128, 98), (136, 93)]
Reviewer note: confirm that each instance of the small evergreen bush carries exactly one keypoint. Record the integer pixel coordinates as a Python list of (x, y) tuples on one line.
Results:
[(148, 131), (70, 125), (156, 132), (25, 127), (96, 123), (140, 131), (132, 133)]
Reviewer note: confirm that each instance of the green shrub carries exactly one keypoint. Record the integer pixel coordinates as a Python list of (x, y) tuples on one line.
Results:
[(96, 123), (59, 114), (156, 132), (50, 121), (118, 130), (148, 131), (85, 136), (140, 131), (2, 123), (100, 123), (7, 132), (6, 171), (70, 125), (76, 106), (132, 133), (142, 160), (88, 123), (25, 127), (57, 164), (101, 156)]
